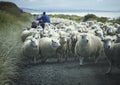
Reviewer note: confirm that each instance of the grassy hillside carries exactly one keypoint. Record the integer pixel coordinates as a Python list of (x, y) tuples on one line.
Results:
[(11, 14), (10, 8), (12, 21)]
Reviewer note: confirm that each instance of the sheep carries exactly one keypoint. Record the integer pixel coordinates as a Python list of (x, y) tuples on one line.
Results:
[(112, 51), (61, 50), (48, 47), (72, 43), (118, 38), (88, 45), (25, 34), (111, 31), (35, 23), (30, 49), (100, 34), (35, 35)]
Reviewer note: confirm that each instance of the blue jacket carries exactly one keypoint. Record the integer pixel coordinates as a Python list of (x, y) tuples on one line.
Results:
[(45, 18)]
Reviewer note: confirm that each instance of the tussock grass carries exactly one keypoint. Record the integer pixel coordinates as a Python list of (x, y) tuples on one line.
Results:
[(88, 17), (12, 22), (70, 17), (10, 48)]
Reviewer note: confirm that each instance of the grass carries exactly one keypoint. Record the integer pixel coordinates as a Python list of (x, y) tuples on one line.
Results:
[(10, 48), (70, 17), (87, 17), (11, 26)]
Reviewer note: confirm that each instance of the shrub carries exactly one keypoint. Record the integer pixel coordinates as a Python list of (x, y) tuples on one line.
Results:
[(89, 17)]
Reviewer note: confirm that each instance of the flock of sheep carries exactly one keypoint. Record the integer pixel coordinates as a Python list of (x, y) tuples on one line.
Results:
[(66, 38)]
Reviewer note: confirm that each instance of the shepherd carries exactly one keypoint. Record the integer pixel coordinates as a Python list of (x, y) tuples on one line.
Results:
[(44, 19)]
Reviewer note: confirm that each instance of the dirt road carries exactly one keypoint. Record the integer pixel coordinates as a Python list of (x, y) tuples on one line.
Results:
[(69, 73)]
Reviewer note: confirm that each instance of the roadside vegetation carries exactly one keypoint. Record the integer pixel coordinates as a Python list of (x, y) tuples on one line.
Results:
[(12, 22), (70, 17), (87, 17)]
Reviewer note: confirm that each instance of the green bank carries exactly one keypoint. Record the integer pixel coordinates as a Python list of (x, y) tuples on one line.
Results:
[(12, 21)]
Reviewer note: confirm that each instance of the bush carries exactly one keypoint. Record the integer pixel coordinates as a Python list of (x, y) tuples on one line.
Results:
[(102, 19), (89, 17), (117, 20)]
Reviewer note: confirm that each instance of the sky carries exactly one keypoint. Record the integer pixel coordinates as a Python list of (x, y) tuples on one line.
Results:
[(110, 5)]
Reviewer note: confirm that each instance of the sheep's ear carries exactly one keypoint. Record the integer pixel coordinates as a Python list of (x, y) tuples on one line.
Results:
[(58, 38), (33, 35), (96, 31), (31, 40), (52, 41), (102, 40), (118, 35)]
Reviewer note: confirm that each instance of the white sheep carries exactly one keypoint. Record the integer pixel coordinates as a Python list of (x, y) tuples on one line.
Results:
[(111, 30), (118, 38), (31, 49), (62, 50), (100, 34), (48, 47), (35, 35), (72, 43), (25, 34), (112, 51), (87, 46)]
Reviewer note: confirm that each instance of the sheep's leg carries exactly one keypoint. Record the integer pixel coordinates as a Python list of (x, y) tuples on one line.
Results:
[(110, 67), (118, 66), (67, 55), (96, 59), (43, 59), (76, 58), (81, 60), (34, 59), (59, 58)]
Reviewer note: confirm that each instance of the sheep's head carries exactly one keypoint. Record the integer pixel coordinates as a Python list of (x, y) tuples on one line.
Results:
[(110, 31), (36, 36), (99, 33), (108, 42), (55, 43), (73, 38), (34, 42), (63, 40), (85, 38)]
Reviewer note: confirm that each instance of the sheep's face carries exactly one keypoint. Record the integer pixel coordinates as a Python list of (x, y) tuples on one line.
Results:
[(34, 42), (108, 43), (110, 30), (36, 36), (85, 38), (99, 33), (63, 40), (55, 43), (74, 38)]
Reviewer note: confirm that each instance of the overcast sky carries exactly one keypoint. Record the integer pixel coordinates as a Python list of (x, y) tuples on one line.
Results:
[(69, 4)]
